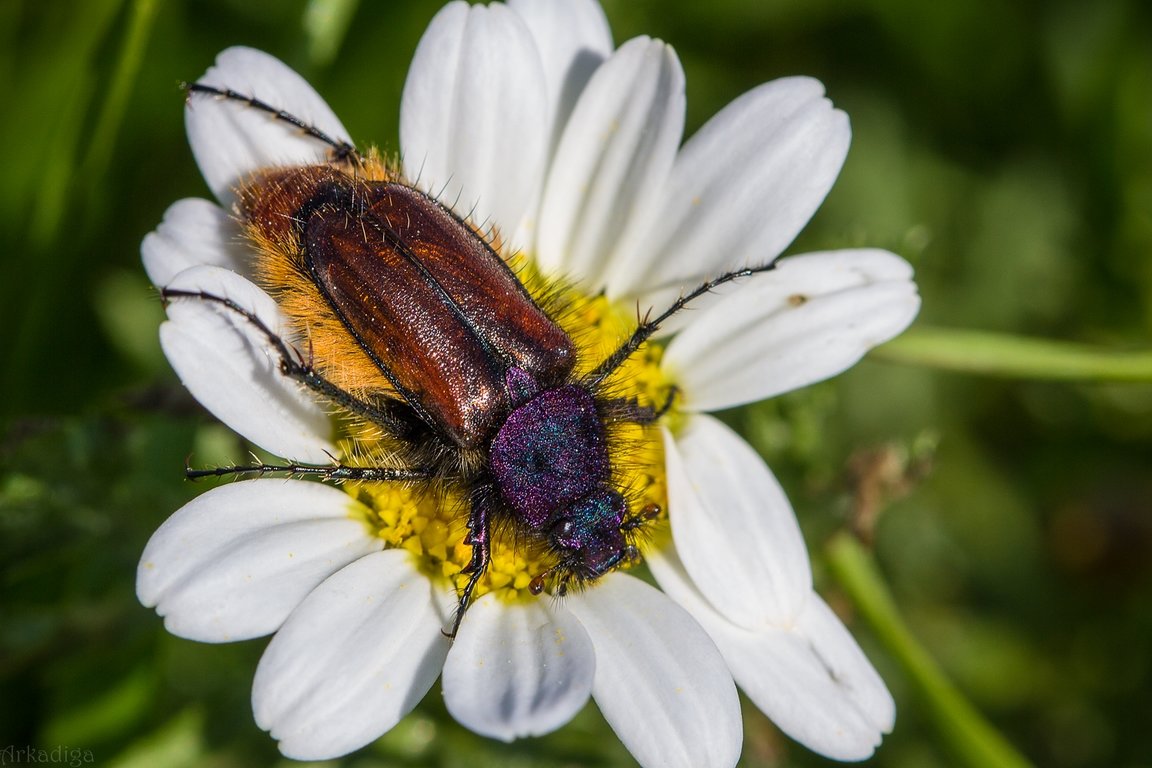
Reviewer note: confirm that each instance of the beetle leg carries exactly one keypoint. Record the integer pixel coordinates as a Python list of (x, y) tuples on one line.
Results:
[(673, 390), (341, 150), (334, 472), (649, 325), (629, 410), (647, 514), (478, 538), (293, 366)]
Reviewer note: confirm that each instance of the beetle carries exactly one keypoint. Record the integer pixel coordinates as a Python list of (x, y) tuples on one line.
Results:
[(451, 356)]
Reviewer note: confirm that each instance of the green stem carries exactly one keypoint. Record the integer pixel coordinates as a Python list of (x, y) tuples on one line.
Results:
[(326, 23), (998, 354), (116, 100), (975, 742)]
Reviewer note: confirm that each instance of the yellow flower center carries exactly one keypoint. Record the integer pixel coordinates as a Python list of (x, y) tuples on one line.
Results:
[(429, 519)]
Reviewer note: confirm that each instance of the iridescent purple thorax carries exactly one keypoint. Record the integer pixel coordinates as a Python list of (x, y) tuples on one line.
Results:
[(550, 463)]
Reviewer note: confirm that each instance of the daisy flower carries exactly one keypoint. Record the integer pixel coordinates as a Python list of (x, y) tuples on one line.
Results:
[(566, 152)]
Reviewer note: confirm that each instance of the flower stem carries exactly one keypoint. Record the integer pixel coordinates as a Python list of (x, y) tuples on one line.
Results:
[(999, 354), (972, 738)]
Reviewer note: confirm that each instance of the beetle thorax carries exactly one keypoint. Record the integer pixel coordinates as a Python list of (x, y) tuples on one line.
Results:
[(550, 463)]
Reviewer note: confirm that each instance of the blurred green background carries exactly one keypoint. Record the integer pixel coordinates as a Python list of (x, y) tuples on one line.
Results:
[(1004, 148)]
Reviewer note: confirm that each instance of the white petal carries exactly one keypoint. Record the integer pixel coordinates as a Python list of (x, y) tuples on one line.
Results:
[(743, 187), (810, 678), (573, 39), (734, 528), (193, 232), (811, 318), (235, 561), (231, 139), (228, 365), (522, 669), (473, 118), (850, 669), (814, 683), (355, 657), (660, 682), (612, 162)]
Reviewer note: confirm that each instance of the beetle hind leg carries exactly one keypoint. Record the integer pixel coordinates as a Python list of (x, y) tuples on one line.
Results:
[(294, 366)]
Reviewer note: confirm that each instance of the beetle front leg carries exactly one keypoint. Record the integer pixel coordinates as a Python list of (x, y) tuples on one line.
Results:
[(479, 528)]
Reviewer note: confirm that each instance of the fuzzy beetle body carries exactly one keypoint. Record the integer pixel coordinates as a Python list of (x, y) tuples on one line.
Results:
[(459, 354), (430, 336)]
